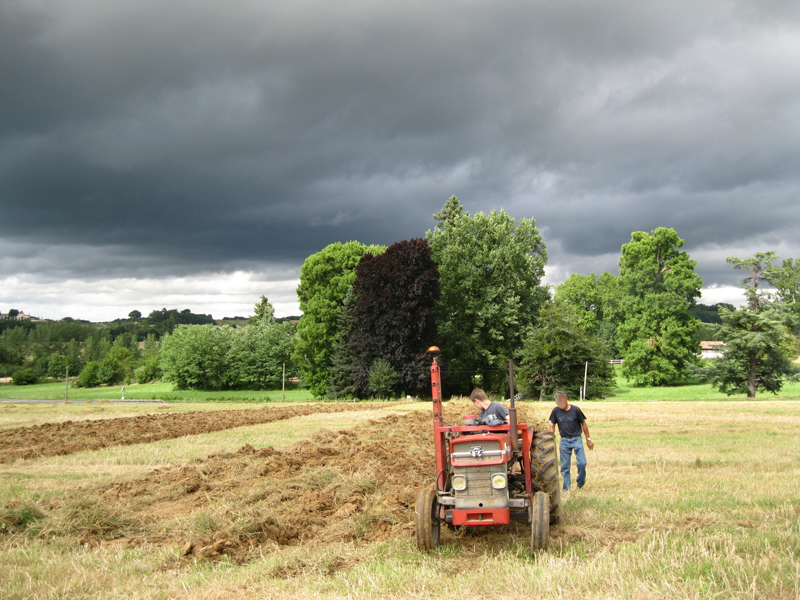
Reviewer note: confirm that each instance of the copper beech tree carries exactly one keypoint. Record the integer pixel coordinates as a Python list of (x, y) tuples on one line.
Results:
[(393, 317)]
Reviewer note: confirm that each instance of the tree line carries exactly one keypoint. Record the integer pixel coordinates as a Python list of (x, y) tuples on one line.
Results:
[(38, 349), (472, 286)]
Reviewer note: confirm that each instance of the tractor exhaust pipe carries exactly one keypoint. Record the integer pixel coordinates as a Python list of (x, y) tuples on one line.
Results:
[(512, 410), (436, 388)]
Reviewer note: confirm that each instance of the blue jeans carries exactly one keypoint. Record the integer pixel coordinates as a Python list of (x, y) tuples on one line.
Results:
[(567, 446)]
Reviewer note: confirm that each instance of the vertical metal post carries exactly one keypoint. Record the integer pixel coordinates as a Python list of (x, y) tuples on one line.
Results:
[(66, 384), (436, 393), (512, 410), (585, 377), (438, 422), (283, 384)]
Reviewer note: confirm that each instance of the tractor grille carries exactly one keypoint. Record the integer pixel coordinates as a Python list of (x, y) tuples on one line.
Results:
[(477, 451), (479, 492)]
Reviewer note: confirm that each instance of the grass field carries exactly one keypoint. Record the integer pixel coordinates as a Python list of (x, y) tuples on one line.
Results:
[(148, 391), (625, 391), (683, 500)]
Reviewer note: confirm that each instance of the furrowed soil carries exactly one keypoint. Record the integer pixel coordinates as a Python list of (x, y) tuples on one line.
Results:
[(353, 485), (57, 439)]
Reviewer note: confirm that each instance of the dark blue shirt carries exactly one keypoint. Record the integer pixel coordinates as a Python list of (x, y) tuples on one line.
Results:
[(568, 421)]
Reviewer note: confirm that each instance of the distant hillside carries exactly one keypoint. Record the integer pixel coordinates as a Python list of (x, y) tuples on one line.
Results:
[(709, 314)]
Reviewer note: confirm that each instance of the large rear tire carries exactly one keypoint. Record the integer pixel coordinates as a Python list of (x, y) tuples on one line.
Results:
[(540, 522), (426, 520), (544, 470)]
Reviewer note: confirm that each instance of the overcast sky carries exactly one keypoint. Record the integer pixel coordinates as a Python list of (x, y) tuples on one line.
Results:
[(192, 154)]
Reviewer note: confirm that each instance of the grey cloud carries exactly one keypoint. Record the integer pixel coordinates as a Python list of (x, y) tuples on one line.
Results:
[(198, 136)]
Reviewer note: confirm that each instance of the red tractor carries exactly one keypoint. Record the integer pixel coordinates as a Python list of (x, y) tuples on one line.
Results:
[(488, 476)]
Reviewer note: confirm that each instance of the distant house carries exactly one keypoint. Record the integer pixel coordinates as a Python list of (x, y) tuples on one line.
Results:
[(711, 349), (20, 316)]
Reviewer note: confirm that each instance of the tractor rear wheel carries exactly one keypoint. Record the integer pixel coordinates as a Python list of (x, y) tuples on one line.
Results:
[(426, 519), (540, 523), (544, 470)]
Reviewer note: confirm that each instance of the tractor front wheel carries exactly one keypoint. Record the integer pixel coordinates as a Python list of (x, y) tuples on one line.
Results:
[(540, 522), (426, 519)]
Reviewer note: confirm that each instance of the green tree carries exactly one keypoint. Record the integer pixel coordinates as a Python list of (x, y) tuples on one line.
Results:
[(151, 347), (89, 376), (758, 344), (117, 364), (756, 355), (74, 357), (100, 349), (134, 316), (786, 279), (150, 370), (555, 352), (260, 350), (263, 311), (382, 378), (111, 371), (325, 278), (341, 383), (196, 357), (57, 366), (25, 376), (15, 345), (490, 272), (758, 269), (612, 301), (659, 286), (581, 294), (450, 213)]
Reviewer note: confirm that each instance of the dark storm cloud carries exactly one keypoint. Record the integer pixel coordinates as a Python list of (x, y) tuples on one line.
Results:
[(190, 137)]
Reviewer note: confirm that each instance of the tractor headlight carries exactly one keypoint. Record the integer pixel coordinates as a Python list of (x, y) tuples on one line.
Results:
[(459, 482), (498, 481)]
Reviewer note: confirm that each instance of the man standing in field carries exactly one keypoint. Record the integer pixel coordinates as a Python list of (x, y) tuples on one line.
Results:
[(571, 421)]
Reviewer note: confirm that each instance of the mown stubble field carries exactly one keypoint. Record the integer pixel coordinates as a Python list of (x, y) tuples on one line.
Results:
[(683, 500)]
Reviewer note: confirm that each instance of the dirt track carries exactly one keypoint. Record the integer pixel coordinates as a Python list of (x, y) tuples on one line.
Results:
[(55, 439)]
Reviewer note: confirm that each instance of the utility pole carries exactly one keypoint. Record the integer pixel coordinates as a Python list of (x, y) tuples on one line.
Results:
[(585, 377)]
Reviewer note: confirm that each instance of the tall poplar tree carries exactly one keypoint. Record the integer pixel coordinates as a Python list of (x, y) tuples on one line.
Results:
[(658, 286)]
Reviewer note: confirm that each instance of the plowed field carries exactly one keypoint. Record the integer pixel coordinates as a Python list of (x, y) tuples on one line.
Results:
[(354, 485), (55, 439), (683, 499)]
